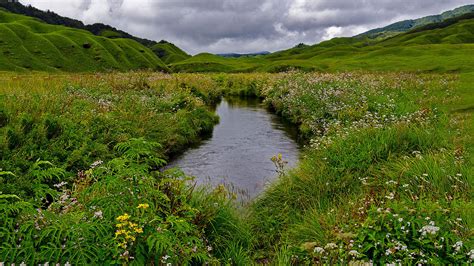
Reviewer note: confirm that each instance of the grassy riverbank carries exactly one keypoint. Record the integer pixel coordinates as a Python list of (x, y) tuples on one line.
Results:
[(385, 178), (386, 175)]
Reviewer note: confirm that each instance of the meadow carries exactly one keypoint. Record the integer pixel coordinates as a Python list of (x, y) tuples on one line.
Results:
[(385, 177)]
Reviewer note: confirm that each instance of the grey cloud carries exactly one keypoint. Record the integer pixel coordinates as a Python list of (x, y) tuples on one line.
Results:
[(245, 25)]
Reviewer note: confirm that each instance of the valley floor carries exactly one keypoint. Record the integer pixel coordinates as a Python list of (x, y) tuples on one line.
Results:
[(386, 175)]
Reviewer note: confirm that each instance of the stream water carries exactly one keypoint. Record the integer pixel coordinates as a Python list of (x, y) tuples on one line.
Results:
[(238, 154)]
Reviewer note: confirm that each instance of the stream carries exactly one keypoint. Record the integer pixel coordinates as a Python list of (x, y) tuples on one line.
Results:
[(238, 154)]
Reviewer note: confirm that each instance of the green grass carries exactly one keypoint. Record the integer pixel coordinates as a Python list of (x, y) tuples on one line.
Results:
[(28, 44)]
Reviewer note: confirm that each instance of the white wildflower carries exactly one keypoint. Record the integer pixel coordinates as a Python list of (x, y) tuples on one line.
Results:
[(429, 229), (96, 163), (59, 185), (353, 253), (390, 196), (98, 214), (457, 246), (330, 246), (318, 250), (470, 254)]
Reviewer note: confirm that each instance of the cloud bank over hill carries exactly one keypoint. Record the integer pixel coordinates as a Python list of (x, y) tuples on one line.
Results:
[(242, 26)]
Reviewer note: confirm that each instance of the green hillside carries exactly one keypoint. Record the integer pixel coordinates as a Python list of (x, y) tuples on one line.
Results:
[(164, 50), (407, 25), (445, 47), (206, 62), (30, 44), (169, 52)]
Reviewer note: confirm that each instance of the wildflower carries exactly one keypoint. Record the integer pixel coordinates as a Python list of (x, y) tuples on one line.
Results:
[(429, 229), (353, 253), (390, 196), (209, 248), (98, 214), (96, 163), (139, 230), (457, 246), (120, 232), (470, 254), (59, 185), (330, 246), (143, 206), (123, 217), (388, 252), (318, 250)]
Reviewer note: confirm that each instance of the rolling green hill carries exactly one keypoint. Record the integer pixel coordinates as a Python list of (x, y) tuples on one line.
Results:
[(407, 25), (169, 52), (30, 44), (166, 51), (443, 46), (206, 62)]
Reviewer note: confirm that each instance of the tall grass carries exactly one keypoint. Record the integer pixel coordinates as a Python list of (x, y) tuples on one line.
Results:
[(385, 176)]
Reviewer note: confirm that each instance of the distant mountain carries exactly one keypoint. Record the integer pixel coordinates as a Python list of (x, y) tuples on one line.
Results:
[(98, 29), (28, 43), (235, 55), (407, 25)]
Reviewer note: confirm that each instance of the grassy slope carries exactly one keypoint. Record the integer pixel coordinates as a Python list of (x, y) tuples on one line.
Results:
[(443, 49), (407, 25), (28, 44), (212, 63), (169, 52)]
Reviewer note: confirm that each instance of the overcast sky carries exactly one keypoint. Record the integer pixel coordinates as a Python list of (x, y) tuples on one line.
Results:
[(219, 26)]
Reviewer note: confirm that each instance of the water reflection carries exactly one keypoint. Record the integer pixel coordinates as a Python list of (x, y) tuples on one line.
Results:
[(239, 151)]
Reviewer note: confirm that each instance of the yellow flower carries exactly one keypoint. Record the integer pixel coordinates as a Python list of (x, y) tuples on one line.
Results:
[(132, 224), (139, 230), (143, 206), (123, 218), (120, 232), (130, 237), (120, 225)]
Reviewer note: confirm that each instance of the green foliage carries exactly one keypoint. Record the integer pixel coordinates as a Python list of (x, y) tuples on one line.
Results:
[(160, 221)]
